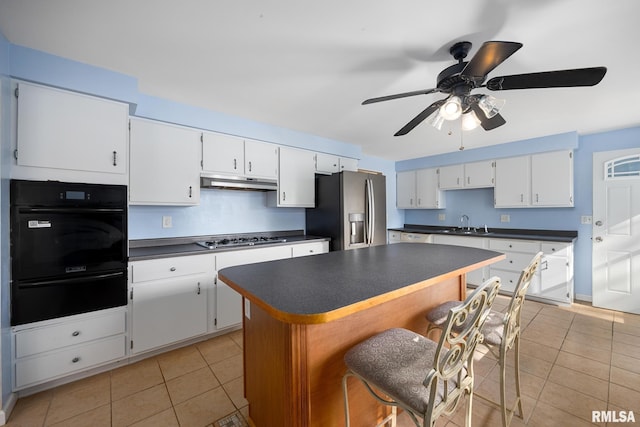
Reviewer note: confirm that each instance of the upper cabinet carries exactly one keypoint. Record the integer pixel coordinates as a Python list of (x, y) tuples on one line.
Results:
[(296, 178), (539, 180), (69, 136), (165, 162), (330, 163), (467, 175), (418, 190), (231, 155)]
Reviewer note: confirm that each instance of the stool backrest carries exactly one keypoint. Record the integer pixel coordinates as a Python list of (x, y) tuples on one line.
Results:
[(452, 371), (514, 310)]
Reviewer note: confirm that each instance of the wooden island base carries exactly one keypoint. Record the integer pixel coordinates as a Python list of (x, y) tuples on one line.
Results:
[(293, 372)]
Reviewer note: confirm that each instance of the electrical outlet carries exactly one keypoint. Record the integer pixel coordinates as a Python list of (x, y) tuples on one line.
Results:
[(586, 219), (505, 218), (441, 217), (167, 222)]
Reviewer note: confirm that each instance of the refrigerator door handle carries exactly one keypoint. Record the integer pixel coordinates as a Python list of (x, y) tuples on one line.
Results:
[(370, 211)]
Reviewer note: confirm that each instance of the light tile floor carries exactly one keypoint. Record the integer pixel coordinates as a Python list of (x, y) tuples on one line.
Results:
[(573, 361)]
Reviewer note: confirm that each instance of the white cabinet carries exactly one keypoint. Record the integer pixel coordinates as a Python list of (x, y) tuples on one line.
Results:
[(513, 182), (231, 155), (467, 175), (327, 163), (539, 180), (222, 153), (451, 177), (296, 178), (348, 164), (476, 277), (553, 280), (418, 190), (165, 164), (415, 238), (312, 248), (228, 301), (552, 179), (260, 159), (168, 299), (68, 136), (44, 351), (394, 236)]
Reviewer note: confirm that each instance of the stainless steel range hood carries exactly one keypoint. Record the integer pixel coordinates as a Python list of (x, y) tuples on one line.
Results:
[(238, 183)]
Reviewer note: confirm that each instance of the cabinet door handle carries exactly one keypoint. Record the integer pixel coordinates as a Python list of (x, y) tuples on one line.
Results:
[(249, 166), (537, 198), (172, 269), (521, 197), (468, 180), (115, 158), (190, 191), (75, 359), (235, 164), (284, 196), (75, 333), (198, 288)]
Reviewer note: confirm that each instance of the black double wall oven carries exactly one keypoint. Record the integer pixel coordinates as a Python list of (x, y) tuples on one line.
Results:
[(68, 249)]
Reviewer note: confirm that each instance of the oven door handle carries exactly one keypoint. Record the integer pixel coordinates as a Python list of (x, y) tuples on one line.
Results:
[(70, 281), (70, 210)]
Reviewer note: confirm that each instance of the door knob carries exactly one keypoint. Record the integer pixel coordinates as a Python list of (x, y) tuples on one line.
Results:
[(598, 239)]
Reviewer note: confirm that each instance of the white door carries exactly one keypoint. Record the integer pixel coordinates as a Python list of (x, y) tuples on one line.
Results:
[(616, 230)]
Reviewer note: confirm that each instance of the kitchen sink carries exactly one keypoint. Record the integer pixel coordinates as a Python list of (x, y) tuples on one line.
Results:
[(464, 232)]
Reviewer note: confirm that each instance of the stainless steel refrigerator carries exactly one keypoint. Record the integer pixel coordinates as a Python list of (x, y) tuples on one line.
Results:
[(351, 209)]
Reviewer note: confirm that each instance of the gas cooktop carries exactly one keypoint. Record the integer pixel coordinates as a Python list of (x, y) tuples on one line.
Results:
[(240, 241)]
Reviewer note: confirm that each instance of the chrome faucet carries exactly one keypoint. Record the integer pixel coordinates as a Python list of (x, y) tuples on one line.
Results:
[(465, 218)]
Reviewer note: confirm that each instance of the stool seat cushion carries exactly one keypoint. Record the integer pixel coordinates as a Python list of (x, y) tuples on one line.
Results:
[(397, 361)]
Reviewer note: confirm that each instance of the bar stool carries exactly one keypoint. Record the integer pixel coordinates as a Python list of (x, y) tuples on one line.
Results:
[(501, 331), (425, 378)]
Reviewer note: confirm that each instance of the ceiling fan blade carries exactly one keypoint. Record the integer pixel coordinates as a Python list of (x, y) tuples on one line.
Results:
[(485, 122), (420, 118), (400, 95), (489, 56), (548, 79)]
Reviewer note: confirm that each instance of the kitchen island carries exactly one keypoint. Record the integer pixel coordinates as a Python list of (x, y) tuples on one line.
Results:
[(301, 315)]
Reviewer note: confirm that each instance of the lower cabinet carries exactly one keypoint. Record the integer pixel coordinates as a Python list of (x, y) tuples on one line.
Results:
[(47, 350), (228, 301), (169, 300)]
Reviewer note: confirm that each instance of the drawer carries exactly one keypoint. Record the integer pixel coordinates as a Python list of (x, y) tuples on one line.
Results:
[(306, 249), (514, 261), (509, 281), (165, 268), (556, 248), (56, 336), (506, 245), (48, 366), (394, 236), (415, 237)]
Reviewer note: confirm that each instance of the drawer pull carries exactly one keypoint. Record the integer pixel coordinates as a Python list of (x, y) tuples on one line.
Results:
[(198, 288), (172, 269), (75, 359), (75, 333)]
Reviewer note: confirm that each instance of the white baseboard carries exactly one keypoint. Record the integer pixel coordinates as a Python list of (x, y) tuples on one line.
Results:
[(7, 408)]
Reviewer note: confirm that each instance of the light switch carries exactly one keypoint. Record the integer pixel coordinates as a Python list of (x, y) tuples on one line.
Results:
[(167, 222), (586, 219), (505, 218)]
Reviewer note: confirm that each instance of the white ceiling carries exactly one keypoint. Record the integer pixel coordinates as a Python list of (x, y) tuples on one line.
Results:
[(308, 65)]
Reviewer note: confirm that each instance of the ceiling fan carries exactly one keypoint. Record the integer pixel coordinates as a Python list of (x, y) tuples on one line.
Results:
[(460, 79)]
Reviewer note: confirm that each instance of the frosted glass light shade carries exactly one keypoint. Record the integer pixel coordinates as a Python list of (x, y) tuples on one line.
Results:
[(436, 120), (452, 109), (470, 121)]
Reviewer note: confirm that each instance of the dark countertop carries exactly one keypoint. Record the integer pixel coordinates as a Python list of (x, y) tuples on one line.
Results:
[(567, 236), (320, 288), (164, 248)]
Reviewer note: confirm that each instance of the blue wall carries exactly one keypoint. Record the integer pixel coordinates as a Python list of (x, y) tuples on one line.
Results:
[(478, 204)]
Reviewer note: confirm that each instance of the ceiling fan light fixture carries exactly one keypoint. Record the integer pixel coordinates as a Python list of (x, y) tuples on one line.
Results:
[(470, 121), (436, 120), (491, 105), (452, 109)]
